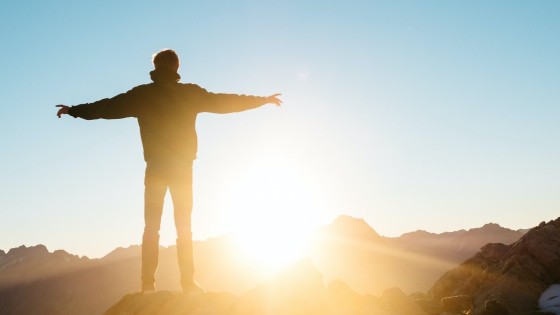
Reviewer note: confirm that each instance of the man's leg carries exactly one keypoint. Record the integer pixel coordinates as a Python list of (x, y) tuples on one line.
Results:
[(154, 194), (182, 194)]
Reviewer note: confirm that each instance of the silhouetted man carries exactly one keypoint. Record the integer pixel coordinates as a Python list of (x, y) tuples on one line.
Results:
[(166, 111)]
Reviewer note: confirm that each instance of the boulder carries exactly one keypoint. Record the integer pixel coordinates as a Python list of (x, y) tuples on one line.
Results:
[(458, 304)]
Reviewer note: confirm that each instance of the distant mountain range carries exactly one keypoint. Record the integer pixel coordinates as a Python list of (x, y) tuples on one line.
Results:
[(36, 281), (349, 249)]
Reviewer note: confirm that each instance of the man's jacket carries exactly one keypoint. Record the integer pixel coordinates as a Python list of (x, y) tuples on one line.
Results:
[(166, 111)]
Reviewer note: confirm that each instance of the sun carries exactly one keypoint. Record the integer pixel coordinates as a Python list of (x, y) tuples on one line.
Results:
[(276, 210), (270, 247)]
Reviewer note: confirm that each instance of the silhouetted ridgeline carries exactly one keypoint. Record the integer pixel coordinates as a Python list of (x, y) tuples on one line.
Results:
[(515, 275), (351, 271)]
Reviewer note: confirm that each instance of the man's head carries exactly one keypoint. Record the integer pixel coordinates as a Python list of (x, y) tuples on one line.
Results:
[(166, 59)]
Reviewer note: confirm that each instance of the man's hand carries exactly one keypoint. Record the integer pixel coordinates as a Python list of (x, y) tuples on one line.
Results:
[(63, 110), (273, 99)]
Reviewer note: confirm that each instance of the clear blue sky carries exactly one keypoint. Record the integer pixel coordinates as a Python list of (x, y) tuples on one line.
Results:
[(434, 115)]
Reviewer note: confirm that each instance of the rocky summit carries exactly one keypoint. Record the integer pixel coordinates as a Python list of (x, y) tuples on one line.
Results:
[(173, 303), (298, 290), (507, 277)]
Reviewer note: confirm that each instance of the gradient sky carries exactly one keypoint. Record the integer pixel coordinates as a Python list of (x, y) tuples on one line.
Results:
[(433, 115)]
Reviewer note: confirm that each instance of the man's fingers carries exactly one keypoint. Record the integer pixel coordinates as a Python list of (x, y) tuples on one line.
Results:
[(63, 110), (274, 99)]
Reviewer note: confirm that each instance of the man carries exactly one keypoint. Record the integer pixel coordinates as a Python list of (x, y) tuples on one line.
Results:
[(166, 111)]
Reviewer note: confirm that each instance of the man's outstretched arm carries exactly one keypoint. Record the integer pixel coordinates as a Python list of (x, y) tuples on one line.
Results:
[(221, 103), (120, 106)]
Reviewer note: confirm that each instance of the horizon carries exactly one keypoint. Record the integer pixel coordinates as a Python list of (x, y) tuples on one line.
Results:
[(434, 116), (282, 263)]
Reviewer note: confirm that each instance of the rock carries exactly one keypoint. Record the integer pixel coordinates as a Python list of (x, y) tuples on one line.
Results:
[(426, 303), (298, 289), (341, 299), (394, 301), (515, 275), (458, 304), (173, 303), (495, 307), (430, 306)]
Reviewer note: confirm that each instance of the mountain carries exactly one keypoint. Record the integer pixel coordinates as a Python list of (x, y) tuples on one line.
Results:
[(513, 275), (456, 246), (351, 250), (36, 281), (350, 229)]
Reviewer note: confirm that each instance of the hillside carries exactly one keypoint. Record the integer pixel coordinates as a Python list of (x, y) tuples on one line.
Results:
[(515, 275)]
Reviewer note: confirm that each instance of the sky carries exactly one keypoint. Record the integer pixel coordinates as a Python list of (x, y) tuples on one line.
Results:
[(431, 115)]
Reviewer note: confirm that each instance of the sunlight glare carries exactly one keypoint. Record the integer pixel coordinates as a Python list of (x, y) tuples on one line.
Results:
[(275, 212)]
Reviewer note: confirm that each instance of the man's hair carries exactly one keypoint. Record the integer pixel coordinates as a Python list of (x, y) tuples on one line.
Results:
[(166, 59)]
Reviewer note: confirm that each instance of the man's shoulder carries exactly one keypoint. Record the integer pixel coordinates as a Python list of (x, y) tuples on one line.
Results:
[(190, 86), (141, 87), (156, 88)]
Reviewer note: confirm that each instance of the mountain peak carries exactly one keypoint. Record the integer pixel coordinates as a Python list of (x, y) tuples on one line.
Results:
[(34, 251), (492, 225), (352, 227), (344, 218)]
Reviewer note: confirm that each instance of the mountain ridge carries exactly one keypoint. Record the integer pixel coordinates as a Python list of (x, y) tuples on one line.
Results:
[(515, 274), (365, 261), (343, 217)]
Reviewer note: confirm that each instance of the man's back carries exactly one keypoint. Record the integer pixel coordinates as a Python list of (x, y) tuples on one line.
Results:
[(166, 112), (167, 116)]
